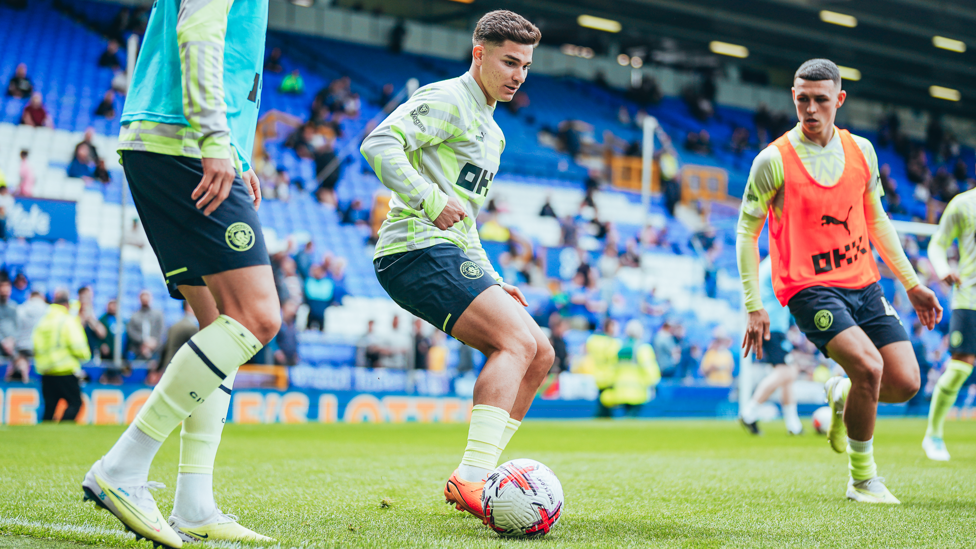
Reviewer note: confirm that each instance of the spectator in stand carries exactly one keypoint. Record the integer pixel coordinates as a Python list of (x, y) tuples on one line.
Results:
[(917, 167), (397, 35), (305, 259), (355, 213), (82, 164), (107, 107), (557, 332), (106, 345), (21, 289), (324, 160), (291, 281), (28, 315), (178, 334), (321, 292), (6, 209), (293, 83), (709, 245), (718, 363), (386, 95), (89, 141), (145, 328), (287, 338), (135, 236), (272, 63), (421, 346), (8, 326), (26, 186), (547, 210), (120, 82), (961, 174), (35, 113), (60, 348), (394, 347), (95, 331), (666, 349), (699, 142), (20, 85), (739, 141), (367, 348), (110, 57), (101, 172)]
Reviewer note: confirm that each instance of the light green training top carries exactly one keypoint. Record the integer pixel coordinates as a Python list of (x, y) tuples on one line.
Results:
[(958, 223), (443, 142)]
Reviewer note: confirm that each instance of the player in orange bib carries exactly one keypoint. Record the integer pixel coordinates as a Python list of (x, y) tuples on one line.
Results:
[(819, 186)]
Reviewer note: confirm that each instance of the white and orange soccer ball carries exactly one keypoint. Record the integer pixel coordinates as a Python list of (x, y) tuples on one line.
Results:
[(522, 497), (821, 419)]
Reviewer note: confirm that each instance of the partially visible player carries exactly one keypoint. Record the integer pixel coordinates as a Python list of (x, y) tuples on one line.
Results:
[(438, 153), (775, 351), (958, 223), (187, 133), (820, 187)]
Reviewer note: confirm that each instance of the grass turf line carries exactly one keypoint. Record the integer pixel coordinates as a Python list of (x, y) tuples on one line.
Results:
[(627, 484)]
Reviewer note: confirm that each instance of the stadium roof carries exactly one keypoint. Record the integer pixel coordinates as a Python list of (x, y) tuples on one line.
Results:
[(891, 42)]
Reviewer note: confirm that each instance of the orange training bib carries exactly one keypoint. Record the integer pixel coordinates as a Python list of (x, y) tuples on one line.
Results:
[(822, 237)]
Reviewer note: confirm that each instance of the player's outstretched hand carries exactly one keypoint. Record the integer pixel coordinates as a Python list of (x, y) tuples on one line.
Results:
[(952, 279), (515, 293), (926, 306), (214, 188), (757, 331), (253, 185), (451, 214)]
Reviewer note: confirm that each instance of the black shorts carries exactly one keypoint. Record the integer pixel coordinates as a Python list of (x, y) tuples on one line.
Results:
[(776, 349), (188, 244), (962, 332), (822, 312), (436, 284)]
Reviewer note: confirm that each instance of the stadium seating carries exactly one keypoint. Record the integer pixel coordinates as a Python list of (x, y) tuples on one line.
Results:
[(56, 48)]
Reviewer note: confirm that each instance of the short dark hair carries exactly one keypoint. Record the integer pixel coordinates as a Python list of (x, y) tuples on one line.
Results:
[(495, 27), (818, 69)]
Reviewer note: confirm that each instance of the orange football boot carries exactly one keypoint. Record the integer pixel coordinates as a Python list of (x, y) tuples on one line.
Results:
[(465, 495)]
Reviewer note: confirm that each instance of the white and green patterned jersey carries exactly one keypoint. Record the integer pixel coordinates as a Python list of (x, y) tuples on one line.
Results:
[(958, 223), (442, 142)]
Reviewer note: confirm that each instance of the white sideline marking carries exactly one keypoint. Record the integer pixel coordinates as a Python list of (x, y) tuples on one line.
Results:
[(65, 528)]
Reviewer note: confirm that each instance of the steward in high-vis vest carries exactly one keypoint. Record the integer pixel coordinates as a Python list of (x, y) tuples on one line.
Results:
[(820, 187), (60, 347)]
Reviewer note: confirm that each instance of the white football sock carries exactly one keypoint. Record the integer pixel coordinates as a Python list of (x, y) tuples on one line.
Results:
[(194, 500), (128, 461), (791, 418), (748, 412)]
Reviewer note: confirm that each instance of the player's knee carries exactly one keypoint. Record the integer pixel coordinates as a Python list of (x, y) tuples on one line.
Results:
[(263, 324), (869, 369), (522, 346), (906, 388), (545, 355)]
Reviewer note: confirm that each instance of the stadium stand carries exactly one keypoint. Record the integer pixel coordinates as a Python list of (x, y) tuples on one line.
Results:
[(55, 46)]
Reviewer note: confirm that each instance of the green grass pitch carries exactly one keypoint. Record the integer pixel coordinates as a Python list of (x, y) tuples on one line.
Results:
[(627, 484)]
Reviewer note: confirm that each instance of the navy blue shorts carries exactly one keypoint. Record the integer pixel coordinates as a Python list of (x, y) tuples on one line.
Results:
[(436, 284), (188, 244), (822, 312), (776, 349)]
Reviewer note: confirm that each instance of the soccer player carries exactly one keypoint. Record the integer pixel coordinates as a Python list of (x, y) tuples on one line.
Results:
[(820, 186), (774, 351), (438, 153), (958, 223), (187, 132)]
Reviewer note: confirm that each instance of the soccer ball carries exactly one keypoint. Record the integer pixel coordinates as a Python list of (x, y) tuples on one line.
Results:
[(522, 498), (821, 419)]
